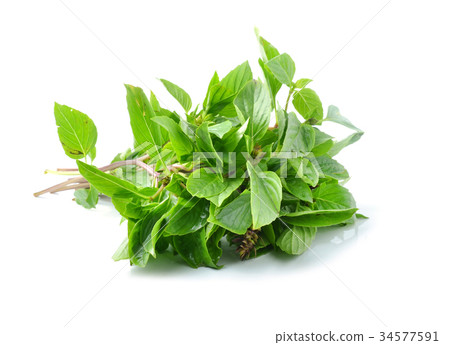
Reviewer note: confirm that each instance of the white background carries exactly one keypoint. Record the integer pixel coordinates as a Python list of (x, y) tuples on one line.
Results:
[(389, 273)]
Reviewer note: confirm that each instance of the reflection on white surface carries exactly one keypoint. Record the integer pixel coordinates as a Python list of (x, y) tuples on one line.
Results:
[(329, 242)]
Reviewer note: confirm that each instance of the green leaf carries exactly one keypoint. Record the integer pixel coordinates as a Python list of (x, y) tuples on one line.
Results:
[(308, 104), (309, 173), (213, 244), (253, 103), (283, 68), (268, 51), (272, 82), (335, 115), (231, 184), (322, 143), (122, 252), (77, 132), (236, 216), (305, 170), (332, 197), (141, 113), (296, 240), (214, 80), (351, 139), (87, 198), (108, 184), (193, 249), (187, 216), (220, 129), (179, 94), (140, 237), (205, 144), (298, 188), (301, 83), (232, 138), (265, 190), (299, 137), (319, 217), (223, 93), (180, 141), (328, 167), (204, 183)]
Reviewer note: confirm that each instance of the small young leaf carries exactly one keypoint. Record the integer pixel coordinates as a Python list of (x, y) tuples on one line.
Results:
[(301, 83)]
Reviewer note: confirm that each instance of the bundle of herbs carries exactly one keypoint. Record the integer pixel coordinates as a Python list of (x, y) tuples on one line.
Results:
[(218, 171)]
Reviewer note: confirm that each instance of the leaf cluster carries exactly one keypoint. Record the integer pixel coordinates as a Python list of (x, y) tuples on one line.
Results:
[(219, 171)]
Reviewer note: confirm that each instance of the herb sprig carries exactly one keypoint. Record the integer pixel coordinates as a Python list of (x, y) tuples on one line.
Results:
[(218, 171)]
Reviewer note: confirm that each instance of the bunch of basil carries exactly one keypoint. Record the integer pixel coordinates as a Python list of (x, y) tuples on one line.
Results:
[(219, 171)]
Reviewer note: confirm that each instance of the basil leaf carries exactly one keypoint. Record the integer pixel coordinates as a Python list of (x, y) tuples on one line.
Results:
[(335, 115), (204, 183), (236, 216), (110, 185), (122, 252), (268, 51), (319, 217), (180, 141), (301, 83), (223, 93), (351, 139), (231, 184), (328, 167), (333, 196), (253, 103), (141, 113), (296, 240), (322, 143), (220, 129), (298, 188), (205, 144), (308, 104), (265, 190), (140, 237), (188, 216), (179, 94), (193, 249), (283, 68), (77, 132), (299, 137), (87, 198)]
